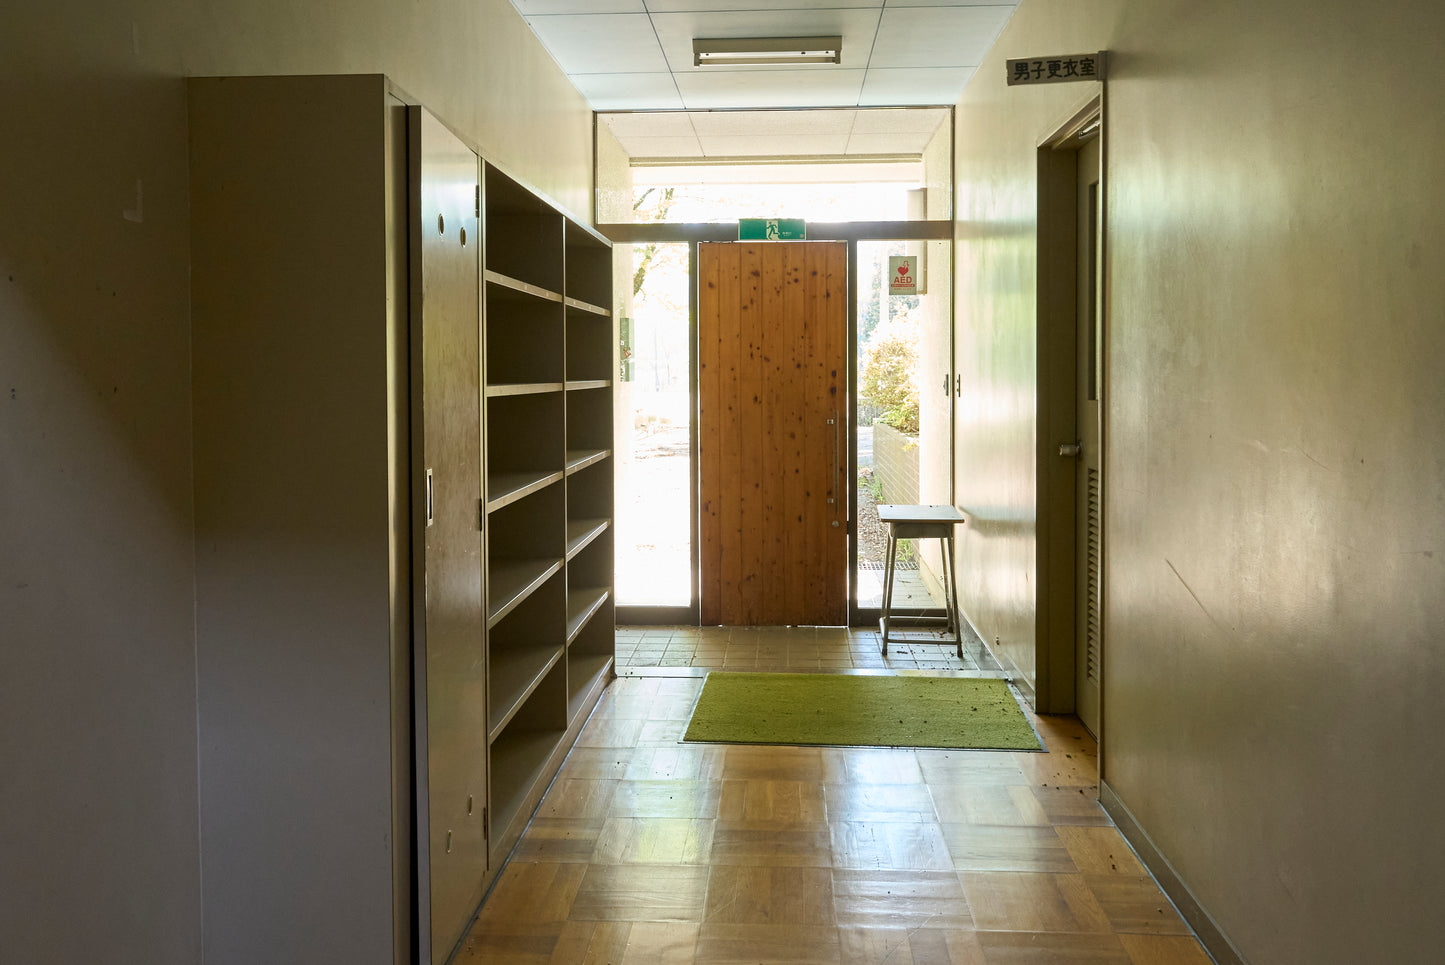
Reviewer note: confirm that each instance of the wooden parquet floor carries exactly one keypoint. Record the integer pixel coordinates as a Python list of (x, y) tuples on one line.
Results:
[(646, 850)]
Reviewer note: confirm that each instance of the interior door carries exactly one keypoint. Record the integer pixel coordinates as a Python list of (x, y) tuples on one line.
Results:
[(773, 410), (1088, 643), (451, 653)]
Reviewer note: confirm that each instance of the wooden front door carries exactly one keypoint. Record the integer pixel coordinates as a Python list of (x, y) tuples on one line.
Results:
[(772, 326)]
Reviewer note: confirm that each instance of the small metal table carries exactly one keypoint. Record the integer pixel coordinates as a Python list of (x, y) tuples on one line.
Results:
[(922, 522)]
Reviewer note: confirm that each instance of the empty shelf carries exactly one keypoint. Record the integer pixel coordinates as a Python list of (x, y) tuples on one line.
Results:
[(515, 673), (576, 384), (580, 532), (508, 487), (518, 759), (509, 582), (583, 672), (582, 458), (494, 390), (587, 307), (506, 281), (582, 604)]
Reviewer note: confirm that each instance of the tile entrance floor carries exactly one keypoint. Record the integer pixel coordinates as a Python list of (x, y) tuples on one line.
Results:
[(647, 850), (792, 648)]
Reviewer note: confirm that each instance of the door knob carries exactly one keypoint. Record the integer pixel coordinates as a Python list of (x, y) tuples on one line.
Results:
[(1071, 450)]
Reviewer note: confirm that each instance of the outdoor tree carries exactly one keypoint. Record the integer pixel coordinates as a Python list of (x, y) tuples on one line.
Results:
[(659, 307), (652, 204), (889, 377)]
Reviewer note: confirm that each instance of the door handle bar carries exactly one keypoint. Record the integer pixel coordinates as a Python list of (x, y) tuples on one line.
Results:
[(837, 464)]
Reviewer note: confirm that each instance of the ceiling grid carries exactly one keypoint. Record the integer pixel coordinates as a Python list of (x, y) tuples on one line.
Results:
[(637, 56)]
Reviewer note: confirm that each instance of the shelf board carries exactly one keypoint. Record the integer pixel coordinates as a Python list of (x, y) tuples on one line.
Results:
[(509, 582), (586, 667), (578, 459), (580, 305), (591, 237), (580, 532), (498, 389), (507, 281), (505, 488), (582, 605), (583, 672), (574, 385), (514, 672), (518, 761)]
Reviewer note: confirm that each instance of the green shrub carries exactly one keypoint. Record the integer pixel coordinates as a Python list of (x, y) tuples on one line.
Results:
[(890, 372)]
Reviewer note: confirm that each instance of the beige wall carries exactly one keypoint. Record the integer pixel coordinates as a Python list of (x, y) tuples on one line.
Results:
[(1275, 460), (614, 184), (98, 737), (934, 348), (935, 408)]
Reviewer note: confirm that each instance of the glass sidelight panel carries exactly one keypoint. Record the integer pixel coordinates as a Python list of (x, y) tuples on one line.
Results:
[(904, 413), (653, 438)]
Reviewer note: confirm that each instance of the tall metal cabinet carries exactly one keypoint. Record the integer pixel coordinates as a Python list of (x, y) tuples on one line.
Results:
[(402, 423)]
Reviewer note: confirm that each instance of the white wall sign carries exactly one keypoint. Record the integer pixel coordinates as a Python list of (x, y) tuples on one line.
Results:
[(1062, 69), (902, 275)]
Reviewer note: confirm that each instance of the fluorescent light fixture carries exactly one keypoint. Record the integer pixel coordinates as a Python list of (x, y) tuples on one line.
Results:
[(749, 51)]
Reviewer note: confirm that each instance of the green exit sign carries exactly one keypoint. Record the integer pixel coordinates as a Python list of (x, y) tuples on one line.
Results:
[(771, 229)]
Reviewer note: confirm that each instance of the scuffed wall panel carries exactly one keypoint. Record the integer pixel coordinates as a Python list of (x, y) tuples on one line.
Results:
[(97, 668), (1275, 454)]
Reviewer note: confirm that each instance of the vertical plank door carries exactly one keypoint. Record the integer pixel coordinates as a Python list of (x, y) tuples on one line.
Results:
[(772, 325)]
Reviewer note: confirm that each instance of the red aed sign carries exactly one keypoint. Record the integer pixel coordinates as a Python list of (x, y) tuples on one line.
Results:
[(902, 275)]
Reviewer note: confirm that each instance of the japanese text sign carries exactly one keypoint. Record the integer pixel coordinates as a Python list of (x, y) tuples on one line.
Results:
[(1056, 70)]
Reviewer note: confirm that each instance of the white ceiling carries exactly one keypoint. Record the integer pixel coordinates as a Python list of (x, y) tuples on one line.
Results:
[(896, 132), (637, 54)]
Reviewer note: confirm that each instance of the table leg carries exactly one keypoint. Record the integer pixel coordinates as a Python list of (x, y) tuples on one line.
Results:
[(887, 588), (951, 593)]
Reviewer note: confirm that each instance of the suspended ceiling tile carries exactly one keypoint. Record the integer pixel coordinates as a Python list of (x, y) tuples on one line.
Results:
[(766, 88), (628, 92), (662, 146), (936, 36), (600, 43), (798, 145), (773, 122), (676, 31), (904, 144), (530, 8), (915, 85), (652, 124), (673, 6), (919, 120), (952, 3)]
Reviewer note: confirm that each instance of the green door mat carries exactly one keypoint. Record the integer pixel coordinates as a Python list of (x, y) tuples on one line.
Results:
[(862, 710)]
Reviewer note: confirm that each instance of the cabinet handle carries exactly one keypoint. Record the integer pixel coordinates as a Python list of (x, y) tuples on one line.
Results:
[(430, 515)]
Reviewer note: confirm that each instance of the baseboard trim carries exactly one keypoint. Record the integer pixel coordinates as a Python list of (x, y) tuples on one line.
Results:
[(1216, 945), (1021, 683)]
